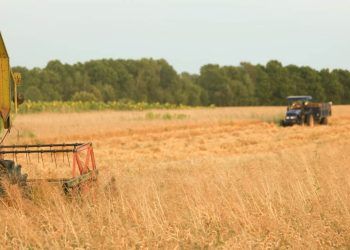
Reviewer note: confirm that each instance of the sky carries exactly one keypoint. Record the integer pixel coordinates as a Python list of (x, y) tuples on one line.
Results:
[(187, 33)]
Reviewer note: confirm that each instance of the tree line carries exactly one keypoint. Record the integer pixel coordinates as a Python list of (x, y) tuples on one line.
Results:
[(149, 80)]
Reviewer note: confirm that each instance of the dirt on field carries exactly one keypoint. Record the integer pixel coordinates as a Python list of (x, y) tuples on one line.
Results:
[(196, 178)]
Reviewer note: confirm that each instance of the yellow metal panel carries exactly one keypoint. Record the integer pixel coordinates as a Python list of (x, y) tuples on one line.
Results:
[(3, 51), (5, 100), (5, 87)]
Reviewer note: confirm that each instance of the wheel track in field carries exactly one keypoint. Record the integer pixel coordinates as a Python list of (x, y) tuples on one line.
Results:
[(222, 140)]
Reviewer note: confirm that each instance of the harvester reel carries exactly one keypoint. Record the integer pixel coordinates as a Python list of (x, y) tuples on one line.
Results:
[(83, 165)]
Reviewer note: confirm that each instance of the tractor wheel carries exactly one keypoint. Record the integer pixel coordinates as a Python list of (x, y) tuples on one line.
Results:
[(310, 120), (324, 121), (302, 120), (12, 173), (282, 124)]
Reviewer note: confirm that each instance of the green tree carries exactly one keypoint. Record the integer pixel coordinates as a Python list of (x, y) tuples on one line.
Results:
[(84, 96), (157, 81), (33, 93)]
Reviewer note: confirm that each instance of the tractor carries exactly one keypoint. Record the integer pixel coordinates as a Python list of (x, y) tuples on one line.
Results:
[(302, 110)]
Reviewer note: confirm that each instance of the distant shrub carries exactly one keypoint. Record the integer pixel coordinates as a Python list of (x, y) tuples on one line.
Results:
[(166, 116), (152, 116)]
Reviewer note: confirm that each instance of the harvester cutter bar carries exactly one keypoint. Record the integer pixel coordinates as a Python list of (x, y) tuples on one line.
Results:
[(70, 182)]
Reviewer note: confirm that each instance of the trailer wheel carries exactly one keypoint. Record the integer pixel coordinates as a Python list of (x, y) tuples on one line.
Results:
[(324, 121), (310, 120)]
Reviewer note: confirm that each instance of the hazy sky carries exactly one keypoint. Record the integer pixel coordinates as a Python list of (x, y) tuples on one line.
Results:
[(187, 33)]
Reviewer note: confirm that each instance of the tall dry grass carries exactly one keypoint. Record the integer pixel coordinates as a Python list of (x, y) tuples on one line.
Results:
[(195, 183)]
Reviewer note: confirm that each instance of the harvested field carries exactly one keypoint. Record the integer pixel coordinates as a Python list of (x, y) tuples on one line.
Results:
[(221, 177)]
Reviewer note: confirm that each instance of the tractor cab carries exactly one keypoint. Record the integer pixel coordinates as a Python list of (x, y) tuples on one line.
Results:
[(297, 102)]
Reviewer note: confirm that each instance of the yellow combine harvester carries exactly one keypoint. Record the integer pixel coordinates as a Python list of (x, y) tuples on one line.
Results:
[(82, 155)]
